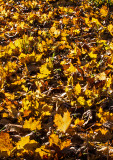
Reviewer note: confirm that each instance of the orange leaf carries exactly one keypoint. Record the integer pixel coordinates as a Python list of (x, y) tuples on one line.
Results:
[(65, 144), (104, 11), (5, 144)]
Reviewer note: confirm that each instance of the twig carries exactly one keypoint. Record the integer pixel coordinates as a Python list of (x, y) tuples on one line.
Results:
[(87, 146), (108, 150)]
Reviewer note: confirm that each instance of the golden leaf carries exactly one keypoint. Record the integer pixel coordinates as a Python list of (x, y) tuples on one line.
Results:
[(43, 152), (5, 115), (38, 57), (71, 69), (26, 143), (32, 124), (70, 81), (88, 93), (94, 20), (102, 131), (89, 102), (54, 139), (92, 55), (81, 100), (53, 29), (104, 11), (62, 123), (65, 144), (77, 89), (79, 122), (26, 113), (109, 82), (44, 72), (110, 29), (111, 45), (18, 43)]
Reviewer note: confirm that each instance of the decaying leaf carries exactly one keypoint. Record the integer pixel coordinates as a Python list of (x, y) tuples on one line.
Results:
[(5, 144)]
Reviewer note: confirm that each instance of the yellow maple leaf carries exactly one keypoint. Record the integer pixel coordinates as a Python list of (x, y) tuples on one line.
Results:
[(110, 29), (102, 131), (71, 69), (32, 124), (79, 122), (109, 82), (81, 100), (65, 144), (53, 29), (111, 45), (44, 71), (42, 151), (88, 93), (54, 139), (12, 46), (89, 102), (77, 89), (38, 57), (11, 67), (104, 11), (88, 22), (16, 15), (94, 20), (76, 31), (92, 55), (5, 144), (62, 123), (24, 141), (18, 43)]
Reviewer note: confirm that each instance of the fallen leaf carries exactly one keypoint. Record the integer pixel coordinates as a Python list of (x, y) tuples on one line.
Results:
[(62, 123)]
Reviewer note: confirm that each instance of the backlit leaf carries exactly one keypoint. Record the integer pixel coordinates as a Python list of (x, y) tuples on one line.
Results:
[(60, 121)]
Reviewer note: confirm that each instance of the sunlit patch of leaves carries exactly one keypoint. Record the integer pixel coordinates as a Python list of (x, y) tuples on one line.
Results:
[(56, 79)]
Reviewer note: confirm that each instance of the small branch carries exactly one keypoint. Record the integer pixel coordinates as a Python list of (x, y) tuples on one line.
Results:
[(87, 146), (108, 150)]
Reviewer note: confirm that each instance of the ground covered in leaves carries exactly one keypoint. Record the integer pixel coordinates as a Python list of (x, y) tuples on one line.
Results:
[(56, 80)]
